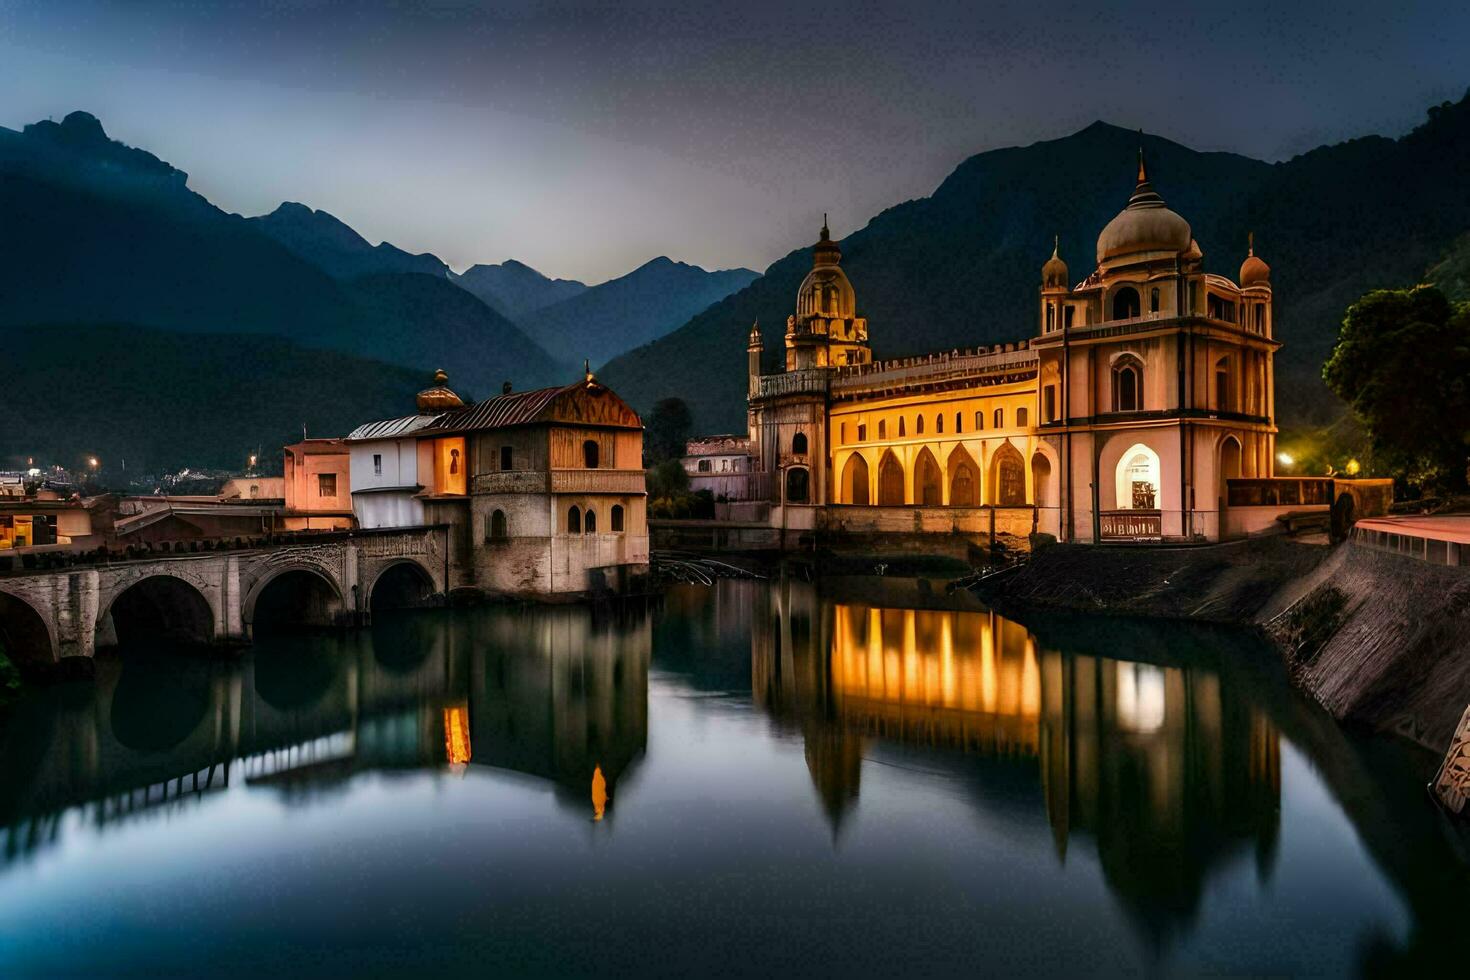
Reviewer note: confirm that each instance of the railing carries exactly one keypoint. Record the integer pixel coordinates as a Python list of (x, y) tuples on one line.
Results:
[(794, 383), (511, 481), (597, 481), (930, 370)]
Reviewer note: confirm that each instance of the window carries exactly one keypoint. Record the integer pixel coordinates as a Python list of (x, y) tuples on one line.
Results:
[(1051, 316), (939, 424), (378, 464), (844, 433), (979, 421), (326, 484), (1153, 300), (589, 523), (1261, 318), (724, 466), (798, 444), (882, 429), (589, 454), (574, 520), (1000, 418), (1021, 416), (1125, 303), (1194, 297), (863, 432), (958, 422), (453, 462), (796, 485), (919, 425), (497, 530), (617, 518), (507, 458), (1049, 403), (1222, 385), (1127, 386), (1067, 313), (704, 466), (900, 427)]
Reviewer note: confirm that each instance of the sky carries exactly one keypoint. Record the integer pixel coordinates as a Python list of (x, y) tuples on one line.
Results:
[(586, 138)]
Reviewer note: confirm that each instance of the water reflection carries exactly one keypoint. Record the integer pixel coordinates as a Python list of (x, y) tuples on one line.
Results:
[(1165, 767)]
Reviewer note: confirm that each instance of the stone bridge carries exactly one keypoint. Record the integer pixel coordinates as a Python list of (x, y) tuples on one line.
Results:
[(218, 598)]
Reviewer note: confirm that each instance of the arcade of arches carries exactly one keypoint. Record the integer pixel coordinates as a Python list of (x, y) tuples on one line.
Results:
[(956, 482)]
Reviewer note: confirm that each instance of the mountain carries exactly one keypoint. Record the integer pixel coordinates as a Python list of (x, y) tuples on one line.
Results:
[(94, 232), (162, 400), (632, 310), (332, 246), (960, 268), (515, 289)]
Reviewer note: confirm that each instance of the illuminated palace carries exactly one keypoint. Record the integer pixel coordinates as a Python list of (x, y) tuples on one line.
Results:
[(1147, 386)]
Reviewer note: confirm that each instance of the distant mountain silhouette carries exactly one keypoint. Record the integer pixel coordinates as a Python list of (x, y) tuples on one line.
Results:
[(161, 400), (961, 267), (516, 289), (94, 232), (332, 246), (627, 312)]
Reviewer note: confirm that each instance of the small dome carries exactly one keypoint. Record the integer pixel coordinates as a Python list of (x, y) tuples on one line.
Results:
[(826, 291), (1254, 271), (1054, 272), (1145, 225), (438, 398)]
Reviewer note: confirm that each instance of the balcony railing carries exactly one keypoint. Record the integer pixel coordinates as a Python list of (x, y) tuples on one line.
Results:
[(931, 370), (597, 481)]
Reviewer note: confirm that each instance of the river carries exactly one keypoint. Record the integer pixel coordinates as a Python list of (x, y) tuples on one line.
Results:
[(757, 777)]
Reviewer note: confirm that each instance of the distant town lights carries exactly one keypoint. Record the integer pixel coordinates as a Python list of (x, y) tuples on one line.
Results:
[(1285, 459), (92, 462)]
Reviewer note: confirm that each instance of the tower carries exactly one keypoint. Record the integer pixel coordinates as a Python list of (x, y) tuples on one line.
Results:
[(826, 330), (753, 360)]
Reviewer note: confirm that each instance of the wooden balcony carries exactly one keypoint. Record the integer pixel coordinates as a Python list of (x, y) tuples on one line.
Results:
[(560, 481)]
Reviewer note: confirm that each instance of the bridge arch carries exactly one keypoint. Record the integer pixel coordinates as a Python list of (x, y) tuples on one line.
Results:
[(292, 597), (402, 584), (25, 634), (158, 608)]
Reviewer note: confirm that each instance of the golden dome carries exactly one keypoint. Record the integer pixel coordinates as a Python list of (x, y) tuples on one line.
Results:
[(1054, 272), (826, 291), (438, 398), (1145, 225), (1254, 271)]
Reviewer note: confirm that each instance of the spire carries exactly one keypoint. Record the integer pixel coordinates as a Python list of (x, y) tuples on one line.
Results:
[(826, 235), (587, 369), (1056, 244), (1250, 238), (1142, 167)]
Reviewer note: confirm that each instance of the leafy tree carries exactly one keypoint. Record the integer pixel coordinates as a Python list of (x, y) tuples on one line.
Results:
[(1402, 362), (667, 430), (667, 480)]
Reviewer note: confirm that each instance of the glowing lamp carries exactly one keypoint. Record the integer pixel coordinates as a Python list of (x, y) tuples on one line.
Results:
[(1352, 467), (1285, 459)]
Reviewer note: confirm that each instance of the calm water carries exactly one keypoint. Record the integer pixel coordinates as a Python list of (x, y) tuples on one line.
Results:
[(755, 778)]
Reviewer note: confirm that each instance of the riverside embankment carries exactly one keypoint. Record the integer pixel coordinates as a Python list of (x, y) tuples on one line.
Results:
[(1378, 639)]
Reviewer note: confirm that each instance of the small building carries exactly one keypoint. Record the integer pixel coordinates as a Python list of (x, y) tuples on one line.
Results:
[(317, 485), (722, 465), (252, 489), (30, 522)]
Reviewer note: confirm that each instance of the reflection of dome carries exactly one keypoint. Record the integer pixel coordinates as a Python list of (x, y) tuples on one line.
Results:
[(1145, 225), (825, 291), (1254, 270), (439, 398), (1054, 272)]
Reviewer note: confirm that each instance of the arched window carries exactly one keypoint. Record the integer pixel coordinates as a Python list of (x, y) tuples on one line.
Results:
[(959, 425), (979, 421), (498, 529), (617, 518), (589, 454), (589, 524), (1138, 480), (1222, 385), (919, 425), (704, 466), (900, 427), (1153, 300), (798, 444), (844, 433), (574, 520), (1125, 303), (999, 421), (882, 429), (1127, 385), (1021, 414), (939, 424), (796, 485), (1051, 316)]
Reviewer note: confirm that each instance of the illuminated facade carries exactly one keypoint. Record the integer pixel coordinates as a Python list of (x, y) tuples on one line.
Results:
[(1145, 388)]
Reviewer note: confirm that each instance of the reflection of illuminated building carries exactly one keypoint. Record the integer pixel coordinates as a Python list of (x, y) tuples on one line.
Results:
[(1167, 771), (457, 735)]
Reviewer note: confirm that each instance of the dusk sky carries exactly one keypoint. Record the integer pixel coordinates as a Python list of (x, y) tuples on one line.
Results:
[(587, 138)]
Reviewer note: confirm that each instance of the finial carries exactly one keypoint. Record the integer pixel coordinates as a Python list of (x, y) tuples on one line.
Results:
[(1142, 169), (825, 233), (587, 369), (441, 378), (1056, 244), (1250, 238)]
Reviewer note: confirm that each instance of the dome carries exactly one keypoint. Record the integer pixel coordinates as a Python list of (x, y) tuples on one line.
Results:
[(438, 398), (826, 291), (1054, 272), (1145, 225), (1254, 271)]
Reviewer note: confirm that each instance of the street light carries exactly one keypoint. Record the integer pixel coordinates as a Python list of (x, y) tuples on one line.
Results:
[(1285, 459), (92, 461)]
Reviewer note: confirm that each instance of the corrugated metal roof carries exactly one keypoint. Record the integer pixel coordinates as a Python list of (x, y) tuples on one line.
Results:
[(516, 408), (388, 428)]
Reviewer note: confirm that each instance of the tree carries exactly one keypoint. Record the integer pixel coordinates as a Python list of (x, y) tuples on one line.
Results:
[(1402, 362), (667, 430)]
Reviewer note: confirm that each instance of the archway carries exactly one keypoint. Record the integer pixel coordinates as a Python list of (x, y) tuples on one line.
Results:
[(1126, 304), (403, 585), (855, 480), (1138, 479), (797, 485), (24, 637), (1041, 480), (890, 481), (161, 610), (298, 598), (927, 481), (1008, 477), (1229, 466), (964, 479)]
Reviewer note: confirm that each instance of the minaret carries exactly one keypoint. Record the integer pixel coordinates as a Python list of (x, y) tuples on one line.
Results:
[(753, 359)]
